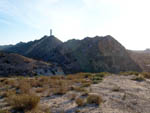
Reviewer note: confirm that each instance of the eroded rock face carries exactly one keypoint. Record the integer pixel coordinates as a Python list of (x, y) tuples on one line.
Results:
[(96, 54), (93, 55), (13, 64)]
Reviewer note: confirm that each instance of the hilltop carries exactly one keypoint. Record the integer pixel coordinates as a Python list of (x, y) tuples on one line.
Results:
[(35, 49)]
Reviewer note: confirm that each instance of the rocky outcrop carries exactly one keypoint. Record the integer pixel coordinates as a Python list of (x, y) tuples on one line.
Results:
[(96, 54), (13, 64)]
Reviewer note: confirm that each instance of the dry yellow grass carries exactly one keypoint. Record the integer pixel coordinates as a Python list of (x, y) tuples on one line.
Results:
[(23, 102), (21, 91), (146, 75), (80, 102), (94, 99)]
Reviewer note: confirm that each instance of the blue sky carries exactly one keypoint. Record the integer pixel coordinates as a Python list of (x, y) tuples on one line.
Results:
[(26, 20)]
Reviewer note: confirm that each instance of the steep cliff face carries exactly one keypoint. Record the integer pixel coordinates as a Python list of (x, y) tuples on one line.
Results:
[(13, 64), (93, 55)]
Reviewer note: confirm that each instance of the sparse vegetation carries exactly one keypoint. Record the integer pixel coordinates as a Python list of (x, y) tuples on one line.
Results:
[(94, 99), (138, 78), (23, 102), (79, 89), (80, 102), (72, 96), (146, 75), (129, 73), (4, 111), (102, 74), (26, 94), (96, 79), (21, 92), (116, 89)]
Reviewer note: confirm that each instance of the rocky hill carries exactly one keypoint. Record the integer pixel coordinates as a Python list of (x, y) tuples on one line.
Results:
[(35, 49), (5, 47), (96, 54), (142, 58), (13, 64)]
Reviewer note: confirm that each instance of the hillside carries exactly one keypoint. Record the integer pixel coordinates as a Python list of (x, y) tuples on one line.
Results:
[(96, 54), (13, 64), (35, 49), (142, 58), (5, 46)]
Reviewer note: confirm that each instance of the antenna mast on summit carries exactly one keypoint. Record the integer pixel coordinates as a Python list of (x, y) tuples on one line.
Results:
[(51, 32)]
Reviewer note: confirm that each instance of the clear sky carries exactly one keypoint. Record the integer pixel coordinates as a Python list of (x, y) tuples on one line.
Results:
[(128, 21)]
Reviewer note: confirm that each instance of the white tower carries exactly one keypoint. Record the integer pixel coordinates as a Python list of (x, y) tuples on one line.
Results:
[(51, 32)]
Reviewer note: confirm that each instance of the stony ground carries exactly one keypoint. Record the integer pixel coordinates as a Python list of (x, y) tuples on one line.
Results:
[(120, 94)]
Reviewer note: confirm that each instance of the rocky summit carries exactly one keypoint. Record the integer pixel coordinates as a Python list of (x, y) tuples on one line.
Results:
[(35, 49)]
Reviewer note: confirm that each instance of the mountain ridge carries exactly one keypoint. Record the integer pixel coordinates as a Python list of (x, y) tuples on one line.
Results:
[(91, 54)]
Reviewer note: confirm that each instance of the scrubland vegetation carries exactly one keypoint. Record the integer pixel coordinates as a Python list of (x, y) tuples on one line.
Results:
[(24, 94)]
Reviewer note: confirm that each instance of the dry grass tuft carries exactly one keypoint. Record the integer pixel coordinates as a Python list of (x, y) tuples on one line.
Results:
[(72, 96), (80, 102), (129, 73), (146, 75), (94, 99), (78, 89), (23, 102), (138, 78), (116, 89), (4, 111), (24, 86)]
